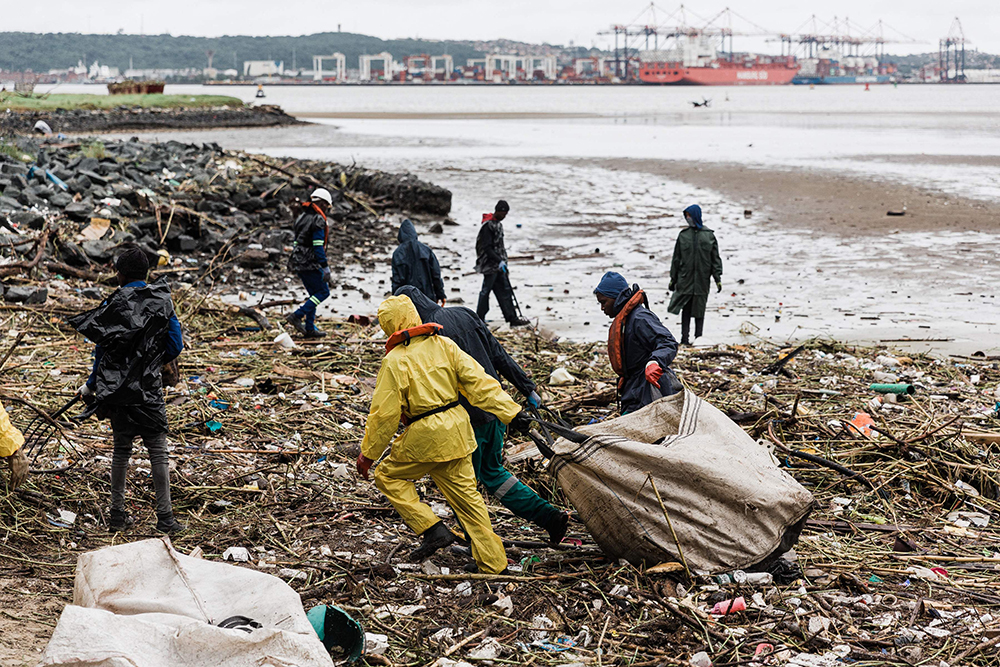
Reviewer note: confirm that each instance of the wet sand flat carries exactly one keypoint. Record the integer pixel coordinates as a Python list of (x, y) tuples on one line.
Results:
[(829, 202)]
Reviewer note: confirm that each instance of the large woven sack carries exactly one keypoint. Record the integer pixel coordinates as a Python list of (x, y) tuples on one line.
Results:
[(143, 604), (729, 504)]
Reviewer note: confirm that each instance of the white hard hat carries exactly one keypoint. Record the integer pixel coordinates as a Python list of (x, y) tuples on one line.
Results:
[(324, 194)]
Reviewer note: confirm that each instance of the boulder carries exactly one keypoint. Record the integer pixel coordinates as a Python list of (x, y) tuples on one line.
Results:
[(99, 250), (79, 211), (28, 219), (60, 200), (254, 259), (26, 294)]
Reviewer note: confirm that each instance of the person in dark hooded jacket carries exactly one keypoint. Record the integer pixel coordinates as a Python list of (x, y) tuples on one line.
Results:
[(413, 263), (474, 338), (639, 346), (136, 332), (695, 262)]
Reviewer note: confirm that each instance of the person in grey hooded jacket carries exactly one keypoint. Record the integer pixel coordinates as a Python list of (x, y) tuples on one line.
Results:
[(413, 263)]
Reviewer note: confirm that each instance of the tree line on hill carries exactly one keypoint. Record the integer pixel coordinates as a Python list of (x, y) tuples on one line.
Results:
[(38, 52)]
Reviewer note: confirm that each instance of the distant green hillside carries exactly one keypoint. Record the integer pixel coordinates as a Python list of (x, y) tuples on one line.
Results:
[(41, 52)]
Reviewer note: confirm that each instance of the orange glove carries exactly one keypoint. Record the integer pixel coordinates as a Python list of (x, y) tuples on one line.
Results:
[(653, 373), (364, 463)]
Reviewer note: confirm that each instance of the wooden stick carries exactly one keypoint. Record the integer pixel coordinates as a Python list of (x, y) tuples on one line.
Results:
[(670, 525)]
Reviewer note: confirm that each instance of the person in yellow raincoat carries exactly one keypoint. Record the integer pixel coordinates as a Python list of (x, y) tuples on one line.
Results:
[(419, 382), (11, 442)]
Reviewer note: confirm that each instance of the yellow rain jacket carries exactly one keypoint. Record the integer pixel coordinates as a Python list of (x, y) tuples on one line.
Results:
[(10, 438), (416, 377)]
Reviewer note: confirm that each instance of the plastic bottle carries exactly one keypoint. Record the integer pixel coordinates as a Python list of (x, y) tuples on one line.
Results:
[(753, 578)]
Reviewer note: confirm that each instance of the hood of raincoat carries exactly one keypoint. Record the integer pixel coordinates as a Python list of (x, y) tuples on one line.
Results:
[(397, 313), (694, 211), (407, 232), (427, 309), (624, 296)]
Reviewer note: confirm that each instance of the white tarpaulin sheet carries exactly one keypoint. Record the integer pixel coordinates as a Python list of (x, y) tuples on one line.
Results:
[(729, 504), (146, 605)]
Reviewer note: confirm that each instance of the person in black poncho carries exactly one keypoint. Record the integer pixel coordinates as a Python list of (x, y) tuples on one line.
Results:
[(136, 332)]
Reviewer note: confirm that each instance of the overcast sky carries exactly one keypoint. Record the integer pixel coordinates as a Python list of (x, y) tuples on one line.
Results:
[(553, 21)]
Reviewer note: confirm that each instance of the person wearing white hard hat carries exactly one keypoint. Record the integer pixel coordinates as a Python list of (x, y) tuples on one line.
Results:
[(308, 260)]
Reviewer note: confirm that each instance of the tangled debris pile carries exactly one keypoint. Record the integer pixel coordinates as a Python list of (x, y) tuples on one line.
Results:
[(78, 201), (899, 558)]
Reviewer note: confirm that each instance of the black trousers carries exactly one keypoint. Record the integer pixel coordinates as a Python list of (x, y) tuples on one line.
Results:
[(699, 324), (499, 284)]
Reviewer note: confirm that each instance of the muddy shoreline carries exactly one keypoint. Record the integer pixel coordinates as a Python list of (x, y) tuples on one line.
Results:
[(825, 201), (69, 121)]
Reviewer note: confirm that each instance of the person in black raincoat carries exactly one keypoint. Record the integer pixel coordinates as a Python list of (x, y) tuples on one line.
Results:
[(639, 346), (308, 260), (695, 262), (413, 263), (491, 261), (136, 332), (474, 338)]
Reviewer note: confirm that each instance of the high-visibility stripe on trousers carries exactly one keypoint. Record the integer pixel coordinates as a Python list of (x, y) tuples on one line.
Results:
[(318, 292), (456, 480)]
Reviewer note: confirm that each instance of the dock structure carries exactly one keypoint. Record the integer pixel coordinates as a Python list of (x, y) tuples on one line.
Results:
[(365, 66), (428, 67), (339, 71)]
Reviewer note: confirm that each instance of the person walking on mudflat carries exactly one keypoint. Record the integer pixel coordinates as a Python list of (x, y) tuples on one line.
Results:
[(308, 260), (695, 262), (491, 261)]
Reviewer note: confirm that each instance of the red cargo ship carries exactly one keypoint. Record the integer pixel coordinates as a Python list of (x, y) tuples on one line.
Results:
[(740, 71)]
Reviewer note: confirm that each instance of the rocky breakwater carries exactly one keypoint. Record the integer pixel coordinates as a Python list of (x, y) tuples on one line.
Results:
[(205, 216), (126, 119)]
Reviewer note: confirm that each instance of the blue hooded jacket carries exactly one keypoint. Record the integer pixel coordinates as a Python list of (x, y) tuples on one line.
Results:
[(645, 339), (413, 263), (695, 212)]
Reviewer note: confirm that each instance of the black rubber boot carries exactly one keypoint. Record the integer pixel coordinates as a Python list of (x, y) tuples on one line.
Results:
[(169, 525), (119, 521), (520, 322), (315, 333), (432, 539), (557, 531), (297, 323)]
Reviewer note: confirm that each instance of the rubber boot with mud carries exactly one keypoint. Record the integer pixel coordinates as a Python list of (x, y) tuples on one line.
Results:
[(169, 525), (557, 531), (432, 539), (296, 321), (119, 521)]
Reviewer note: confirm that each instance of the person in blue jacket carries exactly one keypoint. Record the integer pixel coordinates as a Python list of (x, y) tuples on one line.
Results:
[(640, 348), (413, 263), (136, 332), (308, 260), (474, 338)]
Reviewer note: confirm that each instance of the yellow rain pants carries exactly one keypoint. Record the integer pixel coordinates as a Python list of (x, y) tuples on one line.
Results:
[(456, 480)]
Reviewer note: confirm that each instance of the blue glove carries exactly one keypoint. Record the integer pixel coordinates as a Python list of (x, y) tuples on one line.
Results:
[(503, 266), (534, 400)]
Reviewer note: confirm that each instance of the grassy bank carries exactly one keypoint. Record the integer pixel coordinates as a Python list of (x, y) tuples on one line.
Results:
[(14, 102)]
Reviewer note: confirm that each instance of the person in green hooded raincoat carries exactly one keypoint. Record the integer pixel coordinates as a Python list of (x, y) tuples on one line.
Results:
[(695, 263)]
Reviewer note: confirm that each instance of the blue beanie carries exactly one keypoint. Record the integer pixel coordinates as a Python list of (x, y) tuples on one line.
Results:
[(612, 284)]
